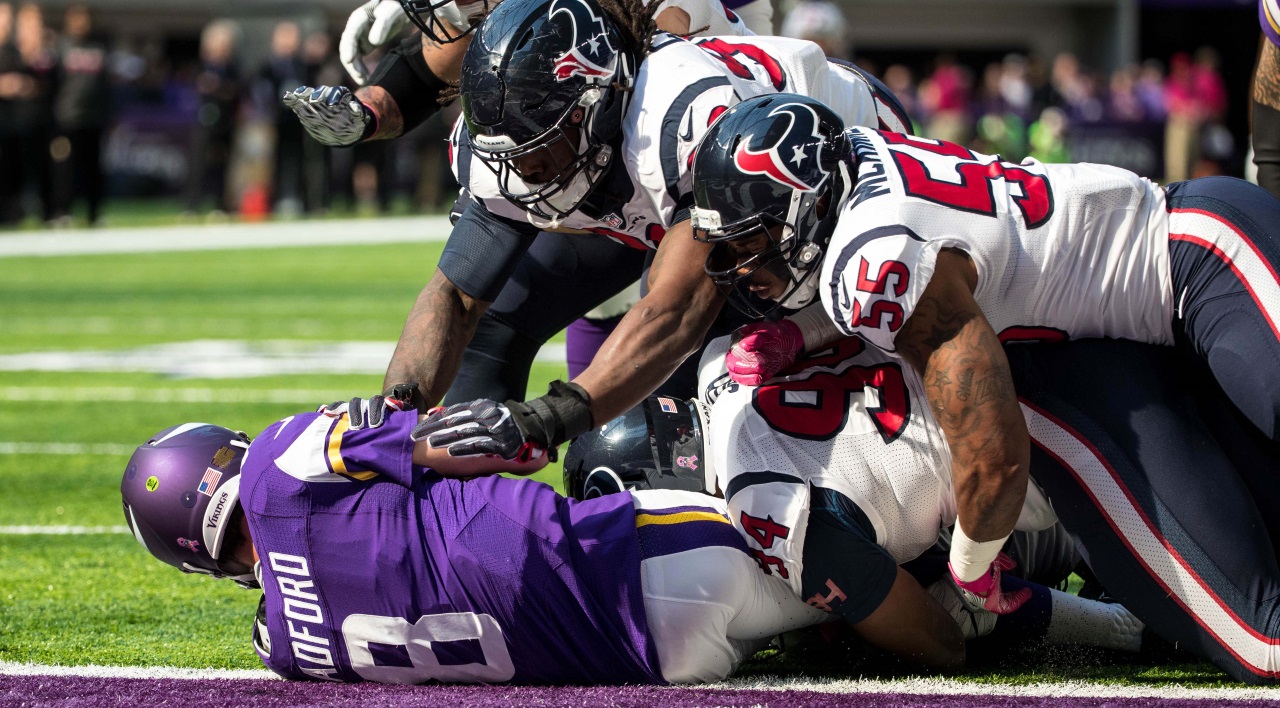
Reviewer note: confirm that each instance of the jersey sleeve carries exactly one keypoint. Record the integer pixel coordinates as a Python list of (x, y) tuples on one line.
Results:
[(677, 125), (1269, 17), (848, 573), (322, 448), (875, 280)]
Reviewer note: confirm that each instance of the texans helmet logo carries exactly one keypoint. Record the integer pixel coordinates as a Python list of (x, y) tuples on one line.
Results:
[(590, 54), (798, 168)]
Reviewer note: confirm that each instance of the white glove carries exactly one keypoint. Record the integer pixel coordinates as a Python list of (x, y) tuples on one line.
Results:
[(974, 620), (372, 25), (331, 114)]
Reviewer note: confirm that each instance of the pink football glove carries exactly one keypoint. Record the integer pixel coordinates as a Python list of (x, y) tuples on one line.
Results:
[(985, 591), (761, 349)]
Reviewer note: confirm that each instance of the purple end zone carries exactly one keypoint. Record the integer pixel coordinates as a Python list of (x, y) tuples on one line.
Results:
[(105, 692)]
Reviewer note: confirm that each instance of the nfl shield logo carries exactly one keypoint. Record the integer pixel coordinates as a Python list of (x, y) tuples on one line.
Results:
[(613, 221), (667, 405), (209, 482)]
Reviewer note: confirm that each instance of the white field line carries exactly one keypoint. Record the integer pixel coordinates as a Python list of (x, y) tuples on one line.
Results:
[(130, 394), (230, 358), (61, 530), (227, 236), (918, 686), (19, 448)]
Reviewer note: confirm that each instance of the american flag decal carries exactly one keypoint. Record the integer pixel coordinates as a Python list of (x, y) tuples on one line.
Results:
[(667, 405), (209, 482)]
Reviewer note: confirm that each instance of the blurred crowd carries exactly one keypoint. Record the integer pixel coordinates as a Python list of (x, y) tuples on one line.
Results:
[(206, 130), (1027, 106)]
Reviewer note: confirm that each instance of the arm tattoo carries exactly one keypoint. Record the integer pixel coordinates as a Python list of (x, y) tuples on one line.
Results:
[(435, 335), (1266, 80)]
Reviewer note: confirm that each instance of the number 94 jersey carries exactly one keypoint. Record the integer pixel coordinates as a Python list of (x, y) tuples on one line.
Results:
[(1073, 250), (848, 418)]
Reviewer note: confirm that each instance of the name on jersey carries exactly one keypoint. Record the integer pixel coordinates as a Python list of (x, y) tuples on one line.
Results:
[(871, 180), (303, 615)]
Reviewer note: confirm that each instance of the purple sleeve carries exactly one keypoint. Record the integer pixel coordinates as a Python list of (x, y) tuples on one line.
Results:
[(1269, 18), (386, 450)]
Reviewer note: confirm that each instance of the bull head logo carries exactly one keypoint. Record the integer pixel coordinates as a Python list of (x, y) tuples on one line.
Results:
[(590, 54), (792, 159)]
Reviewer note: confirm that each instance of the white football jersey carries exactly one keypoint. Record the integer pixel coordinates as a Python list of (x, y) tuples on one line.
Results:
[(1061, 251), (849, 418), (681, 87)]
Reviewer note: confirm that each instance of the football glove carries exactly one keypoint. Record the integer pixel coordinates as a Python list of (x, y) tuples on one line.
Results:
[(761, 349), (372, 25), (974, 620), (364, 412), (407, 396), (985, 591), (513, 431), (331, 114)]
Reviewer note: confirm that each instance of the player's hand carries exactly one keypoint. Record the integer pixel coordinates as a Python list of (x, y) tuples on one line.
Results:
[(985, 591), (482, 427), (406, 396), (331, 114), (364, 412), (974, 620), (372, 25), (761, 349)]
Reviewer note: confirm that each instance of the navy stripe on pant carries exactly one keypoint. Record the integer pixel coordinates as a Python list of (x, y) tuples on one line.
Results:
[(1224, 252), (1159, 512)]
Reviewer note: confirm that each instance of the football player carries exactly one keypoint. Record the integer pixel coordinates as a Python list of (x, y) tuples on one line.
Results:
[(573, 123), (1266, 99), (376, 564), (559, 278), (832, 505), (939, 254)]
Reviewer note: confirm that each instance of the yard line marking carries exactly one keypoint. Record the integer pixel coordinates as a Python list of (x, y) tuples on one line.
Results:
[(230, 358), (132, 394), (22, 448), (915, 686), (338, 232), (61, 530)]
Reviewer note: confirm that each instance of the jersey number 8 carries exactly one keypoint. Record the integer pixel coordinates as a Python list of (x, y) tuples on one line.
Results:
[(436, 647)]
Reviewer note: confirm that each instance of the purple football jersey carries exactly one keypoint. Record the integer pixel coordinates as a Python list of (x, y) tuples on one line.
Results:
[(374, 568)]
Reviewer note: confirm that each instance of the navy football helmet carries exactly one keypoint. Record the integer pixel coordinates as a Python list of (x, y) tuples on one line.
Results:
[(656, 445), (773, 169), (545, 86), (180, 491), (447, 20)]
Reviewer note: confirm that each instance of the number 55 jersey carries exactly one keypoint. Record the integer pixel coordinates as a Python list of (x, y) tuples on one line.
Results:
[(377, 569), (1061, 251)]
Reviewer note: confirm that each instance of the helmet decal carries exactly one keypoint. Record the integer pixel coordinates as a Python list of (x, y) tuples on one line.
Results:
[(804, 140), (590, 54)]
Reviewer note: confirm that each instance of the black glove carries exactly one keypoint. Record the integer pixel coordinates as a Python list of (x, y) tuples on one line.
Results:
[(407, 396), (512, 430)]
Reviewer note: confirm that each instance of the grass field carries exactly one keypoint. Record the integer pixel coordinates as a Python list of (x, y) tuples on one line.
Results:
[(76, 598)]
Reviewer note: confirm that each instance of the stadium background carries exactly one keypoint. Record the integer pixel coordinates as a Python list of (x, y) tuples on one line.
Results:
[(178, 311)]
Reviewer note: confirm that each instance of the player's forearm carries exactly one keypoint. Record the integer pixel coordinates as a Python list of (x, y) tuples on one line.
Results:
[(650, 342), (970, 391), (436, 333), (385, 108)]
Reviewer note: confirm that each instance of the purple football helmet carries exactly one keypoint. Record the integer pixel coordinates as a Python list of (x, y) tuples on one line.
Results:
[(180, 490)]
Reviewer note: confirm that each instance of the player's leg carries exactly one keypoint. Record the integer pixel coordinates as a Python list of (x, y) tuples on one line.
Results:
[(1158, 511), (707, 604), (1224, 257), (558, 279)]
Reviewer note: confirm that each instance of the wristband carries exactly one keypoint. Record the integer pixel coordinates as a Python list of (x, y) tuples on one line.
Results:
[(403, 73), (816, 328), (970, 558), (564, 413)]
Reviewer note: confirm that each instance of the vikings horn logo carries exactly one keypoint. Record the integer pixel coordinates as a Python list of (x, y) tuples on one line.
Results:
[(799, 169), (590, 53)]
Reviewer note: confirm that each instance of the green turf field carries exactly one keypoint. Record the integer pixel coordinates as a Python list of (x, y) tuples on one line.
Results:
[(65, 437)]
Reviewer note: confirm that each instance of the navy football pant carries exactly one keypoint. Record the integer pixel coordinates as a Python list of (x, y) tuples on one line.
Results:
[(1167, 497), (558, 279), (1224, 252)]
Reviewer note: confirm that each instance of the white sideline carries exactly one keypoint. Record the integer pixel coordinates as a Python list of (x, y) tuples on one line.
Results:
[(18, 448), (919, 686), (61, 530), (132, 394), (274, 234), (231, 358)]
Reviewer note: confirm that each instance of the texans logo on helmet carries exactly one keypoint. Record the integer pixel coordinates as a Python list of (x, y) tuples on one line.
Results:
[(591, 57), (799, 169)]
